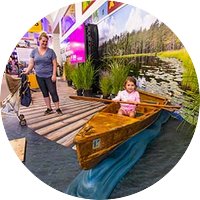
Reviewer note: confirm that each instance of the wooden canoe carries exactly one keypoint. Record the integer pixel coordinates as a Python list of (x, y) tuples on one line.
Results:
[(106, 129)]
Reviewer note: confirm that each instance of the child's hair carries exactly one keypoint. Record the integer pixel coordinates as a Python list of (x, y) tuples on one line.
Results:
[(130, 79)]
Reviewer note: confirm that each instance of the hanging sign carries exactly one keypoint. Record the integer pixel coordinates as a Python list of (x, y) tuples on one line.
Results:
[(69, 19), (37, 28), (86, 5), (100, 13), (112, 5)]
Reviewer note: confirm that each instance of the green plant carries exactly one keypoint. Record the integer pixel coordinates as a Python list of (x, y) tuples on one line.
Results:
[(119, 73), (88, 74), (189, 75), (189, 83), (77, 78), (68, 71), (105, 84)]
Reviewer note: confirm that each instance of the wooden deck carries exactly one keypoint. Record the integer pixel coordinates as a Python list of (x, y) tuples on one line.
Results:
[(59, 128)]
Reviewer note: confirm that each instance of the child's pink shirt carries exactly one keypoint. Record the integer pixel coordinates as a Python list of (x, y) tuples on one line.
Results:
[(125, 96)]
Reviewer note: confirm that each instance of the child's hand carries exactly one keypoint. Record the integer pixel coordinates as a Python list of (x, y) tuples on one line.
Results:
[(136, 103)]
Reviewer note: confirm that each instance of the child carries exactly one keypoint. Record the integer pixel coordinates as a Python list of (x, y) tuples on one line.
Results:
[(130, 95)]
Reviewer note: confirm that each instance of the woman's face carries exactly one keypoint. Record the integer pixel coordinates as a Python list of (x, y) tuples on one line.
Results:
[(130, 86), (43, 42)]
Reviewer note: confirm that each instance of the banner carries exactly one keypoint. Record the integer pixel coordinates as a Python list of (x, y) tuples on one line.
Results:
[(86, 5), (112, 5), (69, 19), (37, 28), (100, 13)]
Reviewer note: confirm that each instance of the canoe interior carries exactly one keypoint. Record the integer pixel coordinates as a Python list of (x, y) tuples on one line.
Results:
[(106, 129)]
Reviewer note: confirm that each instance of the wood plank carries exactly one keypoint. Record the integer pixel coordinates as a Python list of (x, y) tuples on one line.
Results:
[(34, 114), (59, 128), (42, 105), (39, 107), (55, 135), (60, 124), (65, 110), (57, 118), (19, 146), (68, 139)]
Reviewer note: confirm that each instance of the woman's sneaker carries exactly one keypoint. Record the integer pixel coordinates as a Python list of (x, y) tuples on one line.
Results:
[(48, 111), (59, 111)]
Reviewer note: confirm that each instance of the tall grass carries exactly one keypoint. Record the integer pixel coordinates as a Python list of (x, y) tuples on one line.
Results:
[(77, 78), (105, 83), (190, 79), (189, 83), (119, 73), (68, 71), (88, 74)]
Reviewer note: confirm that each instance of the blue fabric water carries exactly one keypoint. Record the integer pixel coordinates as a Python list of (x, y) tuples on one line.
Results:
[(99, 182)]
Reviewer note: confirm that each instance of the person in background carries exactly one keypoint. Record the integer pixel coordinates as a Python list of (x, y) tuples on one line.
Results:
[(9, 66), (43, 60), (16, 67), (129, 94)]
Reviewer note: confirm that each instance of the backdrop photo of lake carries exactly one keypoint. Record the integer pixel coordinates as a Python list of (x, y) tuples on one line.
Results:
[(155, 56)]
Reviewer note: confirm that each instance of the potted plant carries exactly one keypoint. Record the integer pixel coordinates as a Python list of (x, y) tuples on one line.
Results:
[(119, 73), (77, 79), (68, 73), (105, 84), (88, 75)]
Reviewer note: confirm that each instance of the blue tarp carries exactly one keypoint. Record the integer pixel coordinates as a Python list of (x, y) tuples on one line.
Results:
[(99, 182)]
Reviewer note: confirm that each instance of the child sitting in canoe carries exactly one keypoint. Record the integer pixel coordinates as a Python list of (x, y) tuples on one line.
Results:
[(129, 94)]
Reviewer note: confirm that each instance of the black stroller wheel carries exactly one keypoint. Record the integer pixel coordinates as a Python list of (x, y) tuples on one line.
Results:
[(21, 117), (22, 122)]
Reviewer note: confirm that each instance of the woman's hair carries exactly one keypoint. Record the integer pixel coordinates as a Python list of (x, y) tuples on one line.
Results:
[(43, 34), (130, 79)]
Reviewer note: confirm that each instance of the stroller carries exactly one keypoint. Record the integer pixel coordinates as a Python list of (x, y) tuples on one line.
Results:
[(20, 94)]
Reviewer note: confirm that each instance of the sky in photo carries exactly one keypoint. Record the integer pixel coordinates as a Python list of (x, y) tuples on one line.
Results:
[(126, 19)]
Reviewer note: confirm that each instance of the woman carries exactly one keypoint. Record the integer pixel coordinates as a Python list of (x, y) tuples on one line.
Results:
[(43, 60)]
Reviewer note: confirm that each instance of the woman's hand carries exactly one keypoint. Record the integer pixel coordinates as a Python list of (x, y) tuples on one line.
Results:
[(24, 71), (53, 78)]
